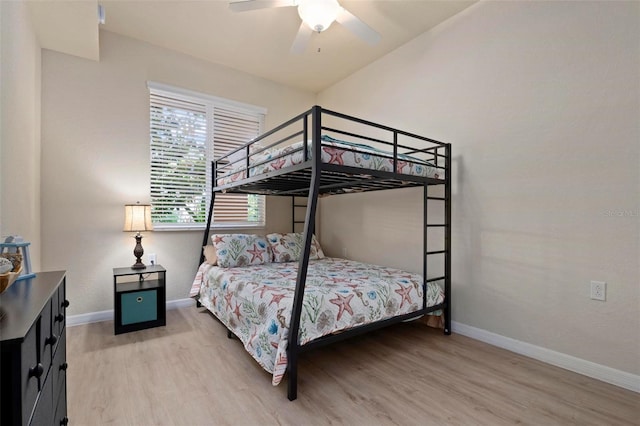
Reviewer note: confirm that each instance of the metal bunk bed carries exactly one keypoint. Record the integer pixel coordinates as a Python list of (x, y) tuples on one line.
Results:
[(311, 178)]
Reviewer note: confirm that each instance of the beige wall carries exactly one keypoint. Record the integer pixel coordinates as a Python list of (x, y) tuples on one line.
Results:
[(95, 144), (540, 101), (20, 70)]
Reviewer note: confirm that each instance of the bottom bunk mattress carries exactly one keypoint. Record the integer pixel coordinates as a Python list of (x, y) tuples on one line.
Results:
[(255, 302)]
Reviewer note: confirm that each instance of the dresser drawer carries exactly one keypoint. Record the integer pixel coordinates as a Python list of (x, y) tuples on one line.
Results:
[(60, 418), (48, 339), (59, 309), (139, 306), (59, 366), (30, 372), (55, 311), (43, 414)]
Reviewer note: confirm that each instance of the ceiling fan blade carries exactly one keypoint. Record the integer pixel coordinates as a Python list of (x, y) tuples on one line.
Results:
[(356, 26), (302, 39), (245, 5)]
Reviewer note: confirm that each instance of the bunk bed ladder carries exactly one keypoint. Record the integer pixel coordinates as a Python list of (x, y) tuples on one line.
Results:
[(447, 240), (294, 206)]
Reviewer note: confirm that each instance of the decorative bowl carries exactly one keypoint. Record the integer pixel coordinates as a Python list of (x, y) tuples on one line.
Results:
[(8, 278)]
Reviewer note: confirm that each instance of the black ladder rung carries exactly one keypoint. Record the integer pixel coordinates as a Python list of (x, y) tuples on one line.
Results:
[(437, 198), (435, 279), (436, 252), (299, 205), (429, 225)]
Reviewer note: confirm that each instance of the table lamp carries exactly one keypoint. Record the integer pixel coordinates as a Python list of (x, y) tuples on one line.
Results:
[(137, 218)]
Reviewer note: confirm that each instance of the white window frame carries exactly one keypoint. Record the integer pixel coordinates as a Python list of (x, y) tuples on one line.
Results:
[(210, 102)]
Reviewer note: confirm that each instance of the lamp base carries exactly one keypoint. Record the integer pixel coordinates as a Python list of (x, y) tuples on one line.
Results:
[(138, 252), (138, 265)]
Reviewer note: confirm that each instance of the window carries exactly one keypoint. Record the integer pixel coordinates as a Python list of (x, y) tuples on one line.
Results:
[(188, 130)]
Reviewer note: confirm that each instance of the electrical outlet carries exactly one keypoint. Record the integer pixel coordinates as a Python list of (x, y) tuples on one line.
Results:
[(598, 290), (153, 259)]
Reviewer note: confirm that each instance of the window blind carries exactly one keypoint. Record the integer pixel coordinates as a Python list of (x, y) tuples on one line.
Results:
[(232, 129), (186, 134)]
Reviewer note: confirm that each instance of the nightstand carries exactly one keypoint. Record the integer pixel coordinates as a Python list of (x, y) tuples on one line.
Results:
[(141, 303)]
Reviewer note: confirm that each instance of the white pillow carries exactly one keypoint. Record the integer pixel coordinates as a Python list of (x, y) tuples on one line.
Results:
[(237, 156)]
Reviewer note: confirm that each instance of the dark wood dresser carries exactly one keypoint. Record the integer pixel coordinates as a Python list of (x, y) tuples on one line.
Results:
[(33, 351)]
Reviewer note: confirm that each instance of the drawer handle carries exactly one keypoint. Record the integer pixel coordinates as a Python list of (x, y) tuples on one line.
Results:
[(36, 371), (64, 366), (139, 299), (65, 304), (59, 318), (51, 340), (64, 421)]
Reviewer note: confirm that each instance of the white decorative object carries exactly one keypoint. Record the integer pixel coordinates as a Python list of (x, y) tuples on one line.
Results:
[(5, 265), (15, 244)]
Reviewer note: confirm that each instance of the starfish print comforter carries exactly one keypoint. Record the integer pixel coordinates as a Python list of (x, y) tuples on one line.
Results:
[(255, 302), (334, 151)]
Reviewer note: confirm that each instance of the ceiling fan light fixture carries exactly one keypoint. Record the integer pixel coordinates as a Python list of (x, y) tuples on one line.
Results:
[(318, 14)]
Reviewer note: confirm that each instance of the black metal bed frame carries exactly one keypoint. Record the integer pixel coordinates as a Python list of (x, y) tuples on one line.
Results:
[(312, 178)]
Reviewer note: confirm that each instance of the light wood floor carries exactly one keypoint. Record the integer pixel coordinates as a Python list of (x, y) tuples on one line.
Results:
[(189, 373)]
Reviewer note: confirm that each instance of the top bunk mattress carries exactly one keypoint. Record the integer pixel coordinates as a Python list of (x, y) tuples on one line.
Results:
[(334, 151)]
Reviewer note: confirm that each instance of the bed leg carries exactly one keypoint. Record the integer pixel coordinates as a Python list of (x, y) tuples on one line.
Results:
[(198, 304), (447, 319), (292, 370), (229, 334)]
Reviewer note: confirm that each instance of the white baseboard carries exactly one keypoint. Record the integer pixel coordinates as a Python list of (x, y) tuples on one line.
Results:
[(568, 362), (181, 303), (108, 315), (88, 318)]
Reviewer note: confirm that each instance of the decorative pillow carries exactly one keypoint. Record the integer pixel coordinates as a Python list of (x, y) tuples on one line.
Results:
[(210, 255), (240, 250), (288, 247)]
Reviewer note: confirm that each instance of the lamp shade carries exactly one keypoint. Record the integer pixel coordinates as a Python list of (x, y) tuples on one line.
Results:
[(137, 217), (318, 14)]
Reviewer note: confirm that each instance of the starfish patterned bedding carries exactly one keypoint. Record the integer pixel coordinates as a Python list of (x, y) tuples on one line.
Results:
[(334, 151), (255, 302)]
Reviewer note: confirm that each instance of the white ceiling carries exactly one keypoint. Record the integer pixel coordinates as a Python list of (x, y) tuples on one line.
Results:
[(258, 42)]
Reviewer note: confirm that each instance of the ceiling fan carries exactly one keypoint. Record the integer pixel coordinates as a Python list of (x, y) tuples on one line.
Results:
[(316, 15)]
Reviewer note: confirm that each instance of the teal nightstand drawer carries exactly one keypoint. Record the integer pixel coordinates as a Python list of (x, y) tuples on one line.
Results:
[(139, 306)]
